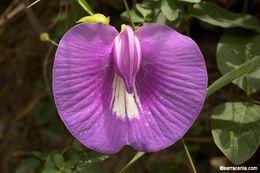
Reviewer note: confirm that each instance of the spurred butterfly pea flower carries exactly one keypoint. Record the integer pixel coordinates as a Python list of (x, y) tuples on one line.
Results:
[(141, 88)]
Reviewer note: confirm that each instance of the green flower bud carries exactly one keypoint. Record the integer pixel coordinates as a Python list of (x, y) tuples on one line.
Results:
[(44, 36), (94, 19)]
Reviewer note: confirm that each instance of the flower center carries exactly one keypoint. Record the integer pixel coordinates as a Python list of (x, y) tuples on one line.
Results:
[(127, 57)]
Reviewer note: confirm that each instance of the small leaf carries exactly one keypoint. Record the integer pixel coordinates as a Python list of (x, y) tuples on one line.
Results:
[(160, 18), (136, 17), (235, 129), (215, 15), (94, 19), (191, 1), (236, 48), (70, 164), (247, 67), (143, 10), (50, 170), (58, 160), (49, 163), (27, 165), (169, 9), (86, 163), (91, 159), (77, 146), (134, 159)]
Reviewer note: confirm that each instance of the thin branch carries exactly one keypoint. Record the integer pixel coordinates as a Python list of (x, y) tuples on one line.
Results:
[(34, 19), (45, 72), (12, 11), (188, 155), (129, 15)]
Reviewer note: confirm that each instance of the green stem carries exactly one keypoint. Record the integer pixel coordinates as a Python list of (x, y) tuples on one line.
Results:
[(255, 101), (247, 67), (187, 19), (66, 149), (29, 153), (86, 6), (189, 156), (54, 43), (32, 4), (129, 15), (134, 159)]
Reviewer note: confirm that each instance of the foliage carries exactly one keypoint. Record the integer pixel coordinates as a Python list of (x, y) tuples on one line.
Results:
[(73, 159), (235, 48), (235, 128), (215, 15)]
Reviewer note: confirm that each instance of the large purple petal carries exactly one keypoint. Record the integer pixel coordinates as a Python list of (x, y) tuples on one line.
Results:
[(94, 104), (82, 83), (171, 85)]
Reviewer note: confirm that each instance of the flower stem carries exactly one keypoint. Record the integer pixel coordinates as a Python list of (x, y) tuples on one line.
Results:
[(129, 15), (32, 4), (53, 43), (44, 36), (188, 155), (134, 159), (187, 19), (86, 7)]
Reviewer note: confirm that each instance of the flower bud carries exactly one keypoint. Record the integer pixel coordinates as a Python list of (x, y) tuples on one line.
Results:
[(94, 19), (127, 57)]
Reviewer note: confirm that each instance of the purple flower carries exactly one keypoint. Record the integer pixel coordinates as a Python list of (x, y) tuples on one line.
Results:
[(141, 88)]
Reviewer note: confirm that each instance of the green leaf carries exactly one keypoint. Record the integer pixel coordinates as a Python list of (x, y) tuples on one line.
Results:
[(143, 10), (50, 170), (136, 17), (170, 9), (86, 6), (191, 1), (70, 164), (215, 15), (49, 163), (77, 146), (86, 163), (134, 159), (235, 129), (27, 165), (91, 159), (247, 67), (160, 18), (58, 160), (236, 48)]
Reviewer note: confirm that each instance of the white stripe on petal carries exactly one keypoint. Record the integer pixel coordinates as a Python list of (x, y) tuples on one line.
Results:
[(123, 104)]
